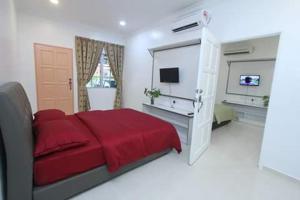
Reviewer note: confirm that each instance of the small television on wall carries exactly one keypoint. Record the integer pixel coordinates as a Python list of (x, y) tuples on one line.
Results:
[(249, 80), (169, 75)]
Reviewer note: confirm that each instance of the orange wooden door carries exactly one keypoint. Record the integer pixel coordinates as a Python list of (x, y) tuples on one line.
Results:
[(54, 75)]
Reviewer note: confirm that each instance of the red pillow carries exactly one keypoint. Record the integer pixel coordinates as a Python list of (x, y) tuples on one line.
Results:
[(48, 115), (57, 135)]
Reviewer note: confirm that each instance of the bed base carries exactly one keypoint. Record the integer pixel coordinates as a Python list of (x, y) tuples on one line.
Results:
[(77, 184)]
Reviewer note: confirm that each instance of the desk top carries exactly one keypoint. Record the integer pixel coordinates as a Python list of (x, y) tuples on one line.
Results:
[(244, 104), (169, 109)]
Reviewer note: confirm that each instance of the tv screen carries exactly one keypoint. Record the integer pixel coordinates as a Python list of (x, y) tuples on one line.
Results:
[(169, 75), (249, 80)]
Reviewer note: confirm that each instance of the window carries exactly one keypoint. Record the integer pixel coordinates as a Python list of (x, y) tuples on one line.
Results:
[(102, 77)]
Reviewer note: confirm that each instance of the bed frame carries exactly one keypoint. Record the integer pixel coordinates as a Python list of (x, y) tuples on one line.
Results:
[(18, 143)]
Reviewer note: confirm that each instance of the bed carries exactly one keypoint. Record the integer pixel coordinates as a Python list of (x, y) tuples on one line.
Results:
[(223, 115), (117, 141)]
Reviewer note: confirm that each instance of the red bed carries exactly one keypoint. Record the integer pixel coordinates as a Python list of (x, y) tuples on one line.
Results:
[(116, 138), (60, 165)]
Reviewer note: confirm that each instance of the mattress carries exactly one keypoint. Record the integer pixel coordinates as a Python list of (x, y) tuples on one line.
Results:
[(128, 135), (61, 165)]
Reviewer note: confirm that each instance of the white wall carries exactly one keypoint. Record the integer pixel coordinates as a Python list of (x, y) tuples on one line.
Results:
[(263, 48), (102, 98), (38, 30), (138, 61), (187, 60), (235, 20), (7, 39)]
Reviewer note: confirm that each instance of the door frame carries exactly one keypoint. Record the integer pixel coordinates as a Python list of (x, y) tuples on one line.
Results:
[(260, 160), (35, 68)]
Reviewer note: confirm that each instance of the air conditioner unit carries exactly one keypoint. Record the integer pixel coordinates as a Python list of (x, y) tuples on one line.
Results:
[(188, 23), (238, 50)]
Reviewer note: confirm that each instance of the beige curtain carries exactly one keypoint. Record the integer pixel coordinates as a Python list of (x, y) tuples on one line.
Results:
[(115, 55), (87, 58)]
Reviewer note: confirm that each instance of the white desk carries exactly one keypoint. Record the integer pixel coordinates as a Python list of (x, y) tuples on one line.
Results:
[(180, 118), (249, 113)]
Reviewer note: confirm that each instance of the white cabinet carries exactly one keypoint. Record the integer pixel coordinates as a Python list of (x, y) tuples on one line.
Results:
[(249, 113), (181, 119)]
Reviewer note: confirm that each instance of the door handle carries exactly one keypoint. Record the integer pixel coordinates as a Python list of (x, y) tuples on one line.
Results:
[(70, 83), (198, 91), (200, 98), (201, 103), (195, 100)]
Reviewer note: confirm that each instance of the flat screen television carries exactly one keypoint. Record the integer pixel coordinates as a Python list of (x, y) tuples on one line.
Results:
[(169, 75), (249, 80)]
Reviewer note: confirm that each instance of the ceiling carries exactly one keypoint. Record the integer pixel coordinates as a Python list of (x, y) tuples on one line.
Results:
[(105, 13)]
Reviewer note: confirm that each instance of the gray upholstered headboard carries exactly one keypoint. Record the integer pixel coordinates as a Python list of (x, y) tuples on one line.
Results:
[(16, 128)]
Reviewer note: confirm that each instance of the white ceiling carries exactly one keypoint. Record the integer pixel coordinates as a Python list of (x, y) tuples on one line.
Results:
[(105, 13)]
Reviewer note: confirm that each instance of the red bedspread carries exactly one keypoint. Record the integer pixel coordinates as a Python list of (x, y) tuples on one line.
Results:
[(127, 135)]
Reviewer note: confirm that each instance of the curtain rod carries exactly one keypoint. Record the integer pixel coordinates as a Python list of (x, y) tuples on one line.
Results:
[(76, 36)]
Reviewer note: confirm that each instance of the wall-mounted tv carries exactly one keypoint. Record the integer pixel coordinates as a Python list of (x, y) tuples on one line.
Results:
[(169, 75), (249, 80)]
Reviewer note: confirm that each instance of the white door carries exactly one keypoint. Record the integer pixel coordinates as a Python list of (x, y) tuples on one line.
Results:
[(205, 95)]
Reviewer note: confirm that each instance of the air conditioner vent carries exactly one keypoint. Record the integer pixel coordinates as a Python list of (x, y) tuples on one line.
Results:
[(186, 27), (238, 50)]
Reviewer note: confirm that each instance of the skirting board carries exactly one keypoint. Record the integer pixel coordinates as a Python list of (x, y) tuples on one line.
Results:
[(278, 172), (255, 123)]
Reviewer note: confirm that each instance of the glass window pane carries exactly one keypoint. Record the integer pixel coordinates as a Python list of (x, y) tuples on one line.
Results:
[(103, 76)]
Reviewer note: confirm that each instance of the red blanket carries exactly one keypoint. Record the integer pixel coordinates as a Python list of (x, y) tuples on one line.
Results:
[(128, 135)]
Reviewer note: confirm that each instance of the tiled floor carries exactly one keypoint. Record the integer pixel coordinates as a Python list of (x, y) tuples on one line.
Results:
[(227, 171)]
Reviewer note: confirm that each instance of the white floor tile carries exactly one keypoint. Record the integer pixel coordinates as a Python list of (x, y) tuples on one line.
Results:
[(227, 171)]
